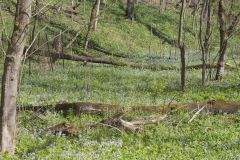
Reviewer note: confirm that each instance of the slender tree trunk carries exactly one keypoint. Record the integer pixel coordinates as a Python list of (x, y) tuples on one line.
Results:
[(204, 44), (208, 31), (10, 77), (98, 2), (93, 21), (182, 45), (223, 41), (130, 9), (34, 33), (163, 5)]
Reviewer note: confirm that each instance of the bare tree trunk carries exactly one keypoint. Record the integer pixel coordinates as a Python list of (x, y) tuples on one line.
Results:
[(92, 22), (163, 5), (58, 45), (182, 45), (98, 2), (223, 41), (225, 34), (10, 77), (194, 15), (130, 9), (33, 35), (221, 61), (50, 58), (204, 44)]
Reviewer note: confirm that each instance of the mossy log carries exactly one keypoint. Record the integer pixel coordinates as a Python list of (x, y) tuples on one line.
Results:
[(209, 66), (213, 106)]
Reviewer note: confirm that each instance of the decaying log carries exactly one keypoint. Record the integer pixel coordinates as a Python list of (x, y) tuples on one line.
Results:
[(74, 57), (213, 106), (96, 60), (117, 120), (208, 66), (85, 107)]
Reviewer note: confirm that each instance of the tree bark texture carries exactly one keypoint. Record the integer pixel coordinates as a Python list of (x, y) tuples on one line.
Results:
[(225, 34), (182, 45), (93, 22), (130, 9), (10, 77)]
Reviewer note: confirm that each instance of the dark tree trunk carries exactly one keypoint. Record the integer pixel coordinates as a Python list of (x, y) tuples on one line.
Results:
[(130, 9), (10, 77), (183, 67), (182, 45), (223, 41)]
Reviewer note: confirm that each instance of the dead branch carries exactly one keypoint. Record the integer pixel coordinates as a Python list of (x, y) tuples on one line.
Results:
[(196, 114), (208, 66), (129, 126), (150, 121), (96, 60), (118, 122)]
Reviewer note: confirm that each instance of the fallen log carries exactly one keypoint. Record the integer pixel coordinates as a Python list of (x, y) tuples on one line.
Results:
[(85, 107), (208, 66), (95, 60), (117, 121), (213, 106)]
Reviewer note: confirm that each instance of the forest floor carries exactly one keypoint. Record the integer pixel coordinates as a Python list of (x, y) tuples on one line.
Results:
[(149, 39), (208, 136)]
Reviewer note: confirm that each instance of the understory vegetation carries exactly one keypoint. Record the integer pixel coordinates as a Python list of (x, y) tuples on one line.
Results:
[(149, 39), (207, 137)]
